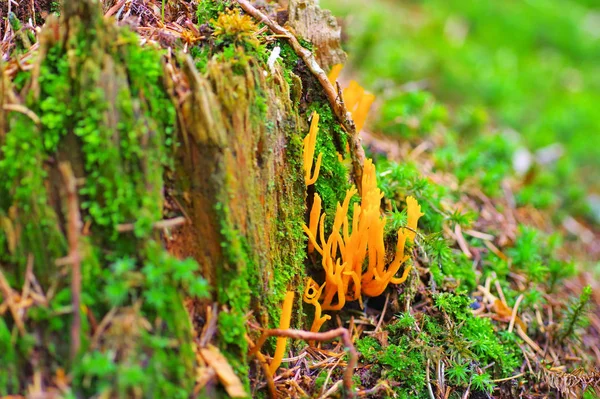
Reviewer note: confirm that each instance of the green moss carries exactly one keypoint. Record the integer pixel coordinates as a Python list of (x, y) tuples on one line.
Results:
[(454, 335), (575, 315), (412, 114), (120, 171), (22, 166), (9, 381), (289, 260), (234, 293), (210, 9), (369, 348), (289, 60), (201, 56), (288, 55), (161, 359)]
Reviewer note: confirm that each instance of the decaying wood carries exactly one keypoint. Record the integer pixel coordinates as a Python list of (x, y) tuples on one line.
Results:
[(319, 27)]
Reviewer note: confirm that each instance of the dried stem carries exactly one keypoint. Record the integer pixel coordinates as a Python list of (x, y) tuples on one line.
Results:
[(73, 233), (513, 317), (356, 151), (8, 297), (340, 332), (161, 224), (24, 110)]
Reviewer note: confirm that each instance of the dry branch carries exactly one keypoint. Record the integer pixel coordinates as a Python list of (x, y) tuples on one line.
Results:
[(161, 224)]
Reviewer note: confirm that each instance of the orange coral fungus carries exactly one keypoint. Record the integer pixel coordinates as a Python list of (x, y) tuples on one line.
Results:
[(357, 101), (334, 73), (362, 110), (413, 213), (315, 212), (310, 142), (353, 256), (311, 295), (284, 324)]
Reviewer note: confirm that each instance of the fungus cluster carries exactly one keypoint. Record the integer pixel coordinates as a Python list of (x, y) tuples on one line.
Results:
[(353, 256)]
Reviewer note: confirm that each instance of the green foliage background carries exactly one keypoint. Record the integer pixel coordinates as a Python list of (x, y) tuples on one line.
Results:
[(532, 66)]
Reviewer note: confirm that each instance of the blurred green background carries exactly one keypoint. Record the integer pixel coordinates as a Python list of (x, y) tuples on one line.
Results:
[(525, 66)]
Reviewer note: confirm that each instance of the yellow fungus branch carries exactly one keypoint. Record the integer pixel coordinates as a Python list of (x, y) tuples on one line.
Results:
[(284, 324), (356, 100), (335, 73), (413, 213), (310, 143), (362, 110), (313, 222), (312, 293)]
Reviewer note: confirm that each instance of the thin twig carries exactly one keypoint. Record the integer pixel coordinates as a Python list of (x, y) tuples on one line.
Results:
[(382, 385), (511, 325), (104, 323), (24, 110), (499, 289), (357, 153), (321, 336), (210, 326), (331, 390), (462, 243), (509, 378), (329, 376), (530, 342), (161, 224), (27, 283), (73, 233), (387, 299), (429, 389)]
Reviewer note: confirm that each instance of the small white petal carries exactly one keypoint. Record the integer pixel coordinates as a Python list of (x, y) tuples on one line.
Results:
[(272, 58)]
